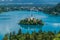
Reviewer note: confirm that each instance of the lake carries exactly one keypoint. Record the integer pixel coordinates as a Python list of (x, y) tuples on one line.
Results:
[(9, 22)]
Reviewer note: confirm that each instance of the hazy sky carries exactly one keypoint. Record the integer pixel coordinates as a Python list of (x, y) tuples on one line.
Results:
[(31, 1)]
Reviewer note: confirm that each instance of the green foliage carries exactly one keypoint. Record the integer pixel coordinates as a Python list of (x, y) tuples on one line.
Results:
[(34, 36), (57, 37), (6, 37), (19, 32)]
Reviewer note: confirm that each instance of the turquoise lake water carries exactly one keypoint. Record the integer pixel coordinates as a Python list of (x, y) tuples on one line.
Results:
[(9, 22)]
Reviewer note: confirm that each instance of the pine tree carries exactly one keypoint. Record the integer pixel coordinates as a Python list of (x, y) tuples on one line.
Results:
[(6, 37)]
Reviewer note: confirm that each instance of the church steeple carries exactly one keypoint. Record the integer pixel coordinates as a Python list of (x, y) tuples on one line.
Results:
[(31, 17)]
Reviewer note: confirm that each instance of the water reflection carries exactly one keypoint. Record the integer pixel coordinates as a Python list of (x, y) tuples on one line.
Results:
[(31, 26)]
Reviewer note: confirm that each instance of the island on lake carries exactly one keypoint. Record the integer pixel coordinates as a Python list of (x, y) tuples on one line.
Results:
[(31, 21)]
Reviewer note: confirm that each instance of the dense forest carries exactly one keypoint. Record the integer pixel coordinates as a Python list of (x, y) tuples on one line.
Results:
[(33, 36)]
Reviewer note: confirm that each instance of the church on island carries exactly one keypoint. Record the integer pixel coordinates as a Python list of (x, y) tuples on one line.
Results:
[(31, 21)]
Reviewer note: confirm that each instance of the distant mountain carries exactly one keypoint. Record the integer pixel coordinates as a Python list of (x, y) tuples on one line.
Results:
[(55, 10)]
